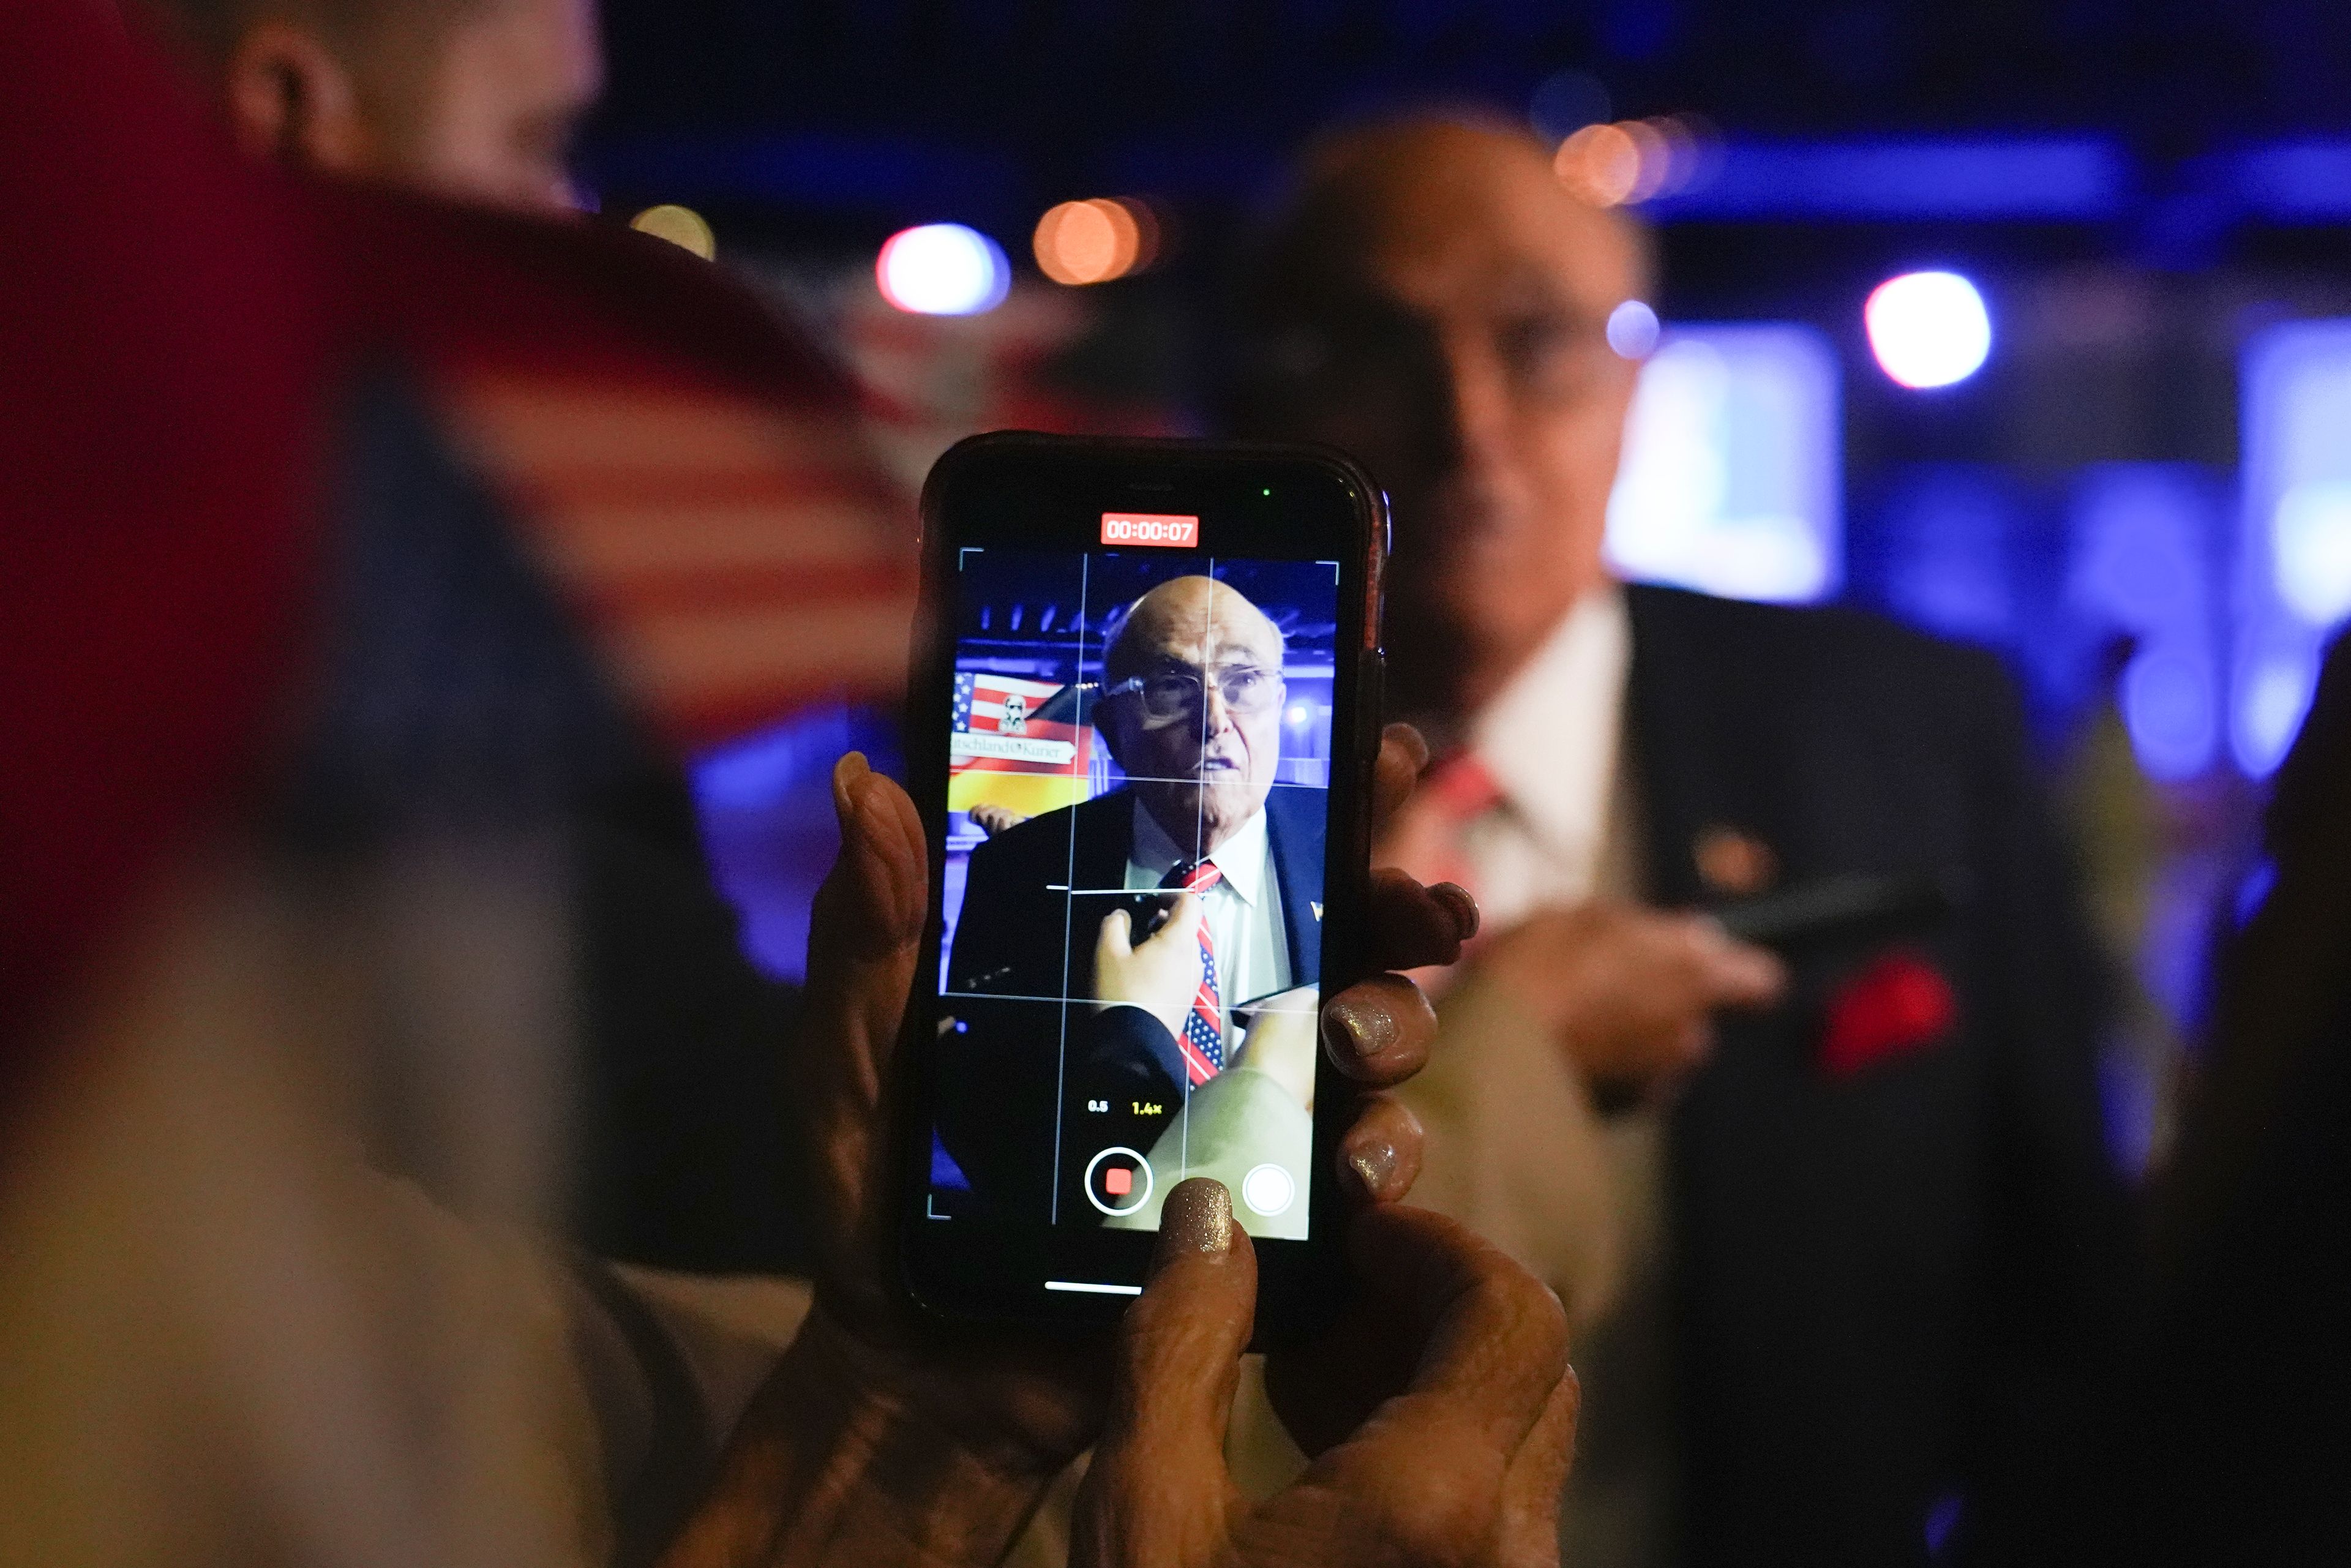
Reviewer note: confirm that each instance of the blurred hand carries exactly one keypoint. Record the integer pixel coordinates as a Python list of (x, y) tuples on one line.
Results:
[(1629, 993), (934, 1442), (994, 820), (1451, 1366), (1160, 974)]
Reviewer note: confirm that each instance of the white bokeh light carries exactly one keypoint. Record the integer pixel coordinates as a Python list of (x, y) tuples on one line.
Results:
[(943, 269), (1633, 330), (2311, 546), (1929, 329), (1730, 482)]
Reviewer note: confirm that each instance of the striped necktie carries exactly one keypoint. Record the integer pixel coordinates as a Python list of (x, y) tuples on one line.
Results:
[(1430, 836), (1202, 1039)]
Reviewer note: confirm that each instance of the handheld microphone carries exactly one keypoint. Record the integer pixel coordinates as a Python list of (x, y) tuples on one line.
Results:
[(1852, 906)]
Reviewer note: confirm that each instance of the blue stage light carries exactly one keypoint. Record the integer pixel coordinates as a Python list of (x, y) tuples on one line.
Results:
[(2169, 706), (2294, 552), (943, 269), (2145, 537), (1929, 329)]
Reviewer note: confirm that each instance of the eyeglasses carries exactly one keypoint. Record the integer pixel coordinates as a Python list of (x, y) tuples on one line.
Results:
[(1169, 695)]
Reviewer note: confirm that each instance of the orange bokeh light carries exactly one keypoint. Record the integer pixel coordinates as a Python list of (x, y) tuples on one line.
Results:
[(1634, 160), (1095, 241), (1600, 163)]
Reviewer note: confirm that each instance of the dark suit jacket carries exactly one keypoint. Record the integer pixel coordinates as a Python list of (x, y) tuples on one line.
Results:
[(1898, 1284), (1018, 936)]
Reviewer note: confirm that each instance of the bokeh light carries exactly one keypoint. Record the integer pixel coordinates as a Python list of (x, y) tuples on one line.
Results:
[(1600, 163), (1929, 329), (1095, 241), (1633, 330), (2310, 545), (2169, 706), (1632, 161), (681, 227), (1653, 159), (943, 269)]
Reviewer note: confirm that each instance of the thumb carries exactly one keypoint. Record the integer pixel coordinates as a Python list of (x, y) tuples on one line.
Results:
[(1158, 1474), (863, 935), (1117, 937), (1183, 925), (1529, 1536)]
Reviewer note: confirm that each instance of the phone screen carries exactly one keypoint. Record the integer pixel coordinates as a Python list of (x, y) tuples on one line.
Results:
[(1138, 784)]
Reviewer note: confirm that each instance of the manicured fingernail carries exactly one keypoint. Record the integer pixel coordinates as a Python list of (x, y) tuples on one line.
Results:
[(1368, 1030), (1374, 1163), (1458, 903), (1199, 1217)]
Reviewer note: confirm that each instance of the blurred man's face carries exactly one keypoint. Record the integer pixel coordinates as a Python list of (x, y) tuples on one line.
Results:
[(1201, 735), (477, 102), (501, 103), (1463, 355)]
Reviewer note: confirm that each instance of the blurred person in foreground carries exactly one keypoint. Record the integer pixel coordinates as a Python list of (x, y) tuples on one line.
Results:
[(477, 101), (472, 99), (1837, 1233), (2232, 1440), (242, 959)]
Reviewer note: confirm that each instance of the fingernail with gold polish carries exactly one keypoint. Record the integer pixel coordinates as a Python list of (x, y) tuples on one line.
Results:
[(1369, 1031), (1373, 1163), (1199, 1217)]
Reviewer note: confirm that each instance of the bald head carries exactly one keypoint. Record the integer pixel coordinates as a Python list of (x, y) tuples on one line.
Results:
[(1196, 618), (1199, 728), (1436, 301), (1404, 190)]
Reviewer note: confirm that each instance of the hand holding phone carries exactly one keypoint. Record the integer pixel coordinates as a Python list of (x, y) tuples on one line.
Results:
[(1473, 1452), (881, 1422)]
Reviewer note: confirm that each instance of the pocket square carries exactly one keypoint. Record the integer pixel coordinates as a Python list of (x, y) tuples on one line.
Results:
[(1892, 1007)]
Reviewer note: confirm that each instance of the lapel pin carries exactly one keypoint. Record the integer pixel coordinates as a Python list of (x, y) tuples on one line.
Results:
[(1733, 865)]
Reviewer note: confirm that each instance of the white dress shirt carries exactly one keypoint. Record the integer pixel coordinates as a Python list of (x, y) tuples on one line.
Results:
[(1244, 908), (1550, 739), (1578, 1197)]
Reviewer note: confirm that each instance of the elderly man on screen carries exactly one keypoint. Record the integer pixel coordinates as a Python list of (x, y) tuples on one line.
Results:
[(1191, 709)]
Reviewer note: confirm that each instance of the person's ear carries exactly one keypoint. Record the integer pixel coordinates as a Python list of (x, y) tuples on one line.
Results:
[(290, 99), (1108, 724)]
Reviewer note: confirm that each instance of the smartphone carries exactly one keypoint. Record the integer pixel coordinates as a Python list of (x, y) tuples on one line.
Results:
[(1143, 669)]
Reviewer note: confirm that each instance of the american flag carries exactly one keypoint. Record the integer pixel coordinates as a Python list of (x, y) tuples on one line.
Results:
[(1018, 744), (1000, 705), (685, 465), (738, 560)]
